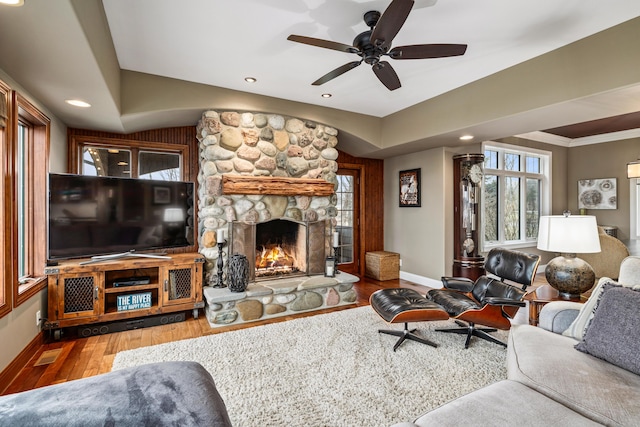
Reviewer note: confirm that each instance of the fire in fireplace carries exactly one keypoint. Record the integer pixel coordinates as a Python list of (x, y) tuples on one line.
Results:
[(274, 260), (282, 247)]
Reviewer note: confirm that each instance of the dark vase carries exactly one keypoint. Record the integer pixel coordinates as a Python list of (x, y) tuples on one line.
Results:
[(238, 273)]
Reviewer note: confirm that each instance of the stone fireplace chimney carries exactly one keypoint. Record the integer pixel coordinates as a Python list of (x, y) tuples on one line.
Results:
[(264, 145)]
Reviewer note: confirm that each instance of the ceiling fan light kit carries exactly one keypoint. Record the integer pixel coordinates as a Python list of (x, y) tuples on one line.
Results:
[(371, 45)]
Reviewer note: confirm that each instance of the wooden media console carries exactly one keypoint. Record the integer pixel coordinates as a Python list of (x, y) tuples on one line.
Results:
[(83, 293)]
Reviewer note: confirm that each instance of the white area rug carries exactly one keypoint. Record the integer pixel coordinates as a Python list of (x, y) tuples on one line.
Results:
[(333, 370)]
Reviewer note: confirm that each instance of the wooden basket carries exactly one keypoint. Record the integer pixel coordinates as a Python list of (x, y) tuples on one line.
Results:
[(382, 265)]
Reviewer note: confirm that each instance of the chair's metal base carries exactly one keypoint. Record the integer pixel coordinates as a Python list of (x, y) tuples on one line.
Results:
[(470, 330), (406, 334)]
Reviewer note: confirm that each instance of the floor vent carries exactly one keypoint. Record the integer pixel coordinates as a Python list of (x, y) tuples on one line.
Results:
[(48, 357)]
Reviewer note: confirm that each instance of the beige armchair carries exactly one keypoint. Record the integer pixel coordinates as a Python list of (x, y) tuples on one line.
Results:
[(607, 262)]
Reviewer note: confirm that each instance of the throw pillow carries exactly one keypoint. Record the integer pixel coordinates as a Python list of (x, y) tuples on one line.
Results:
[(578, 327), (613, 332)]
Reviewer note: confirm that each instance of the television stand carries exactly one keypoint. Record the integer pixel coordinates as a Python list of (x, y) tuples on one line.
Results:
[(130, 254), (81, 294)]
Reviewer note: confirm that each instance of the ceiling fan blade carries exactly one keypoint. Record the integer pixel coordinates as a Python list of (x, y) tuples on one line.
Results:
[(387, 75), (327, 44), (422, 51), (337, 72), (390, 22)]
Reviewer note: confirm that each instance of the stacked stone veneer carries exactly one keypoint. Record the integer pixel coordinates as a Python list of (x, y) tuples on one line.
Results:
[(257, 144), (275, 298)]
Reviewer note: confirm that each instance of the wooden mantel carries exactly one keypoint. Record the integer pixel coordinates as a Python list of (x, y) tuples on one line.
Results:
[(277, 186)]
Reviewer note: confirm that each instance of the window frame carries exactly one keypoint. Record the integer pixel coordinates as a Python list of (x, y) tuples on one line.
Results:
[(77, 144), (545, 191), (634, 211), (37, 158), (6, 288)]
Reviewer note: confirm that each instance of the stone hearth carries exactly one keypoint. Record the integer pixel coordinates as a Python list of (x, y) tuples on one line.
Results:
[(276, 298)]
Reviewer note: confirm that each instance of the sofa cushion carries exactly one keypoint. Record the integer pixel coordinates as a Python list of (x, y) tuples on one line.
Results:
[(613, 332), (505, 403), (550, 364), (581, 323)]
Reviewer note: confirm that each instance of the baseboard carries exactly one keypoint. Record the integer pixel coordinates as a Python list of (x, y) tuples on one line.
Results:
[(421, 280), (9, 373)]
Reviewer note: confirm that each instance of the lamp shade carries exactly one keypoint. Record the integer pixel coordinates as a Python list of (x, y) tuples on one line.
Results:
[(173, 215), (633, 169), (568, 234)]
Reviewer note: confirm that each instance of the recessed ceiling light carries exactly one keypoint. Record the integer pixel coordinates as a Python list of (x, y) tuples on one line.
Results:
[(326, 95), (250, 79), (77, 103), (466, 137), (123, 164), (12, 2)]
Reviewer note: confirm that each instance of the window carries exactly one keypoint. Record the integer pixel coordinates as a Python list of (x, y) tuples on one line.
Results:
[(24, 135), (634, 203), (516, 192), (129, 159), (29, 171), (345, 218)]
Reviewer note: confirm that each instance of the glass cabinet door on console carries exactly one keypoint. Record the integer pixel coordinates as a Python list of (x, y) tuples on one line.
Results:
[(467, 179)]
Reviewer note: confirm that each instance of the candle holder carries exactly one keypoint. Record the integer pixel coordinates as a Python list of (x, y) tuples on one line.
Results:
[(336, 255), (220, 265), (329, 267)]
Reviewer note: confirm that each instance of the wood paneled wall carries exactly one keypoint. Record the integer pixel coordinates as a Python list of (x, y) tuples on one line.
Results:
[(373, 200), (184, 135)]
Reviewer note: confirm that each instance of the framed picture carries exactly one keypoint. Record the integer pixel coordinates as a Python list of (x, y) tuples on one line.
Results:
[(161, 195), (597, 193), (409, 181)]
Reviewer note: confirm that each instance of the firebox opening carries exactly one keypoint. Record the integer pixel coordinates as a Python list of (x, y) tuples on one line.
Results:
[(281, 249)]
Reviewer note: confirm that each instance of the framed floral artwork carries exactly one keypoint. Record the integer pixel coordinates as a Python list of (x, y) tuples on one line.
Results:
[(597, 193)]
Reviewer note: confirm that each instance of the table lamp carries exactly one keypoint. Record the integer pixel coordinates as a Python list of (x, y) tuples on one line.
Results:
[(569, 235)]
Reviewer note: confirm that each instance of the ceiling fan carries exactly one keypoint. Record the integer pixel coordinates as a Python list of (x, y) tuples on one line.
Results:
[(371, 45)]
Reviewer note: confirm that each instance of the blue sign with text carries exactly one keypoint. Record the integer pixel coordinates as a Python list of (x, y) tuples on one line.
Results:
[(134, 301)]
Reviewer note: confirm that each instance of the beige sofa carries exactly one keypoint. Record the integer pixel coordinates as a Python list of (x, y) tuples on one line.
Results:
[(550, 383)]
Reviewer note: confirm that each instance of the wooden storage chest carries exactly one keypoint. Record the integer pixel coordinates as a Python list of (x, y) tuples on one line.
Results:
[(382, 265)]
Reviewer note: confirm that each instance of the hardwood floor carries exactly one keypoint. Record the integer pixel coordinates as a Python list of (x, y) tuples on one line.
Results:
[(84, 357)]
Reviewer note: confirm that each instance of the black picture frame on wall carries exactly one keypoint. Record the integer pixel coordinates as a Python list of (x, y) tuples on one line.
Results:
[(409, 186)]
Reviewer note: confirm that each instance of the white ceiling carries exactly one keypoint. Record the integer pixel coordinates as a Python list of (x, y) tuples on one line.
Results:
[(220, 42), (53, 49)]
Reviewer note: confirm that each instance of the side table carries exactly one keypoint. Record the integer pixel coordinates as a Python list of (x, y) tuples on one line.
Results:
[(545, 294)]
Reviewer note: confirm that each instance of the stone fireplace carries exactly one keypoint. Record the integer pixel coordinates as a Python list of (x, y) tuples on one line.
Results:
[(260, 180), (258, 146)]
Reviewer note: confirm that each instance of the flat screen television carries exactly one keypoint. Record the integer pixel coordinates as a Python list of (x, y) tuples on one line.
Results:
[(95, 215)]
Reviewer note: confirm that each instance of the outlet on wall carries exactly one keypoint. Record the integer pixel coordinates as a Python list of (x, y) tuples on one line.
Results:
[(400, 262), (38, 318)]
